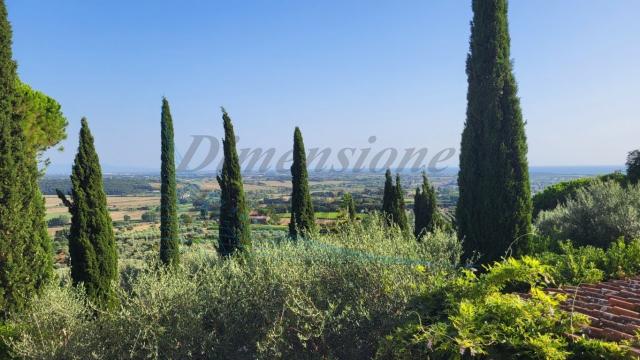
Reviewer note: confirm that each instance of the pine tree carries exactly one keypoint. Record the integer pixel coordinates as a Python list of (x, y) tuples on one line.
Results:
[(494, 208), (302, 215), (425, 209), (234, 232), (169, 245), (388, 198), (94, 258), (399, 213), (25, 248)]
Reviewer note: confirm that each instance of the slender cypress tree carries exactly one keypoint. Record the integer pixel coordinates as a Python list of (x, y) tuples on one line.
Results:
[(399, 213), (494, 208), (94, 259), (169, 245), (302, 215), (388, 198), (25, 249), (349, 206), (234, 232), (425, 208)]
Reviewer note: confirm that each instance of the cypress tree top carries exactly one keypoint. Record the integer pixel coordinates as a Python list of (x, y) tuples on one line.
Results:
[(388, 197), (494, 207), (169, 242), (302, 214), (425, 208), (234, 232)]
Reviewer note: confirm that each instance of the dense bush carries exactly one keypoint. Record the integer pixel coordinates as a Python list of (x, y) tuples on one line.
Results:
[(476, 316), (470, 315), (60, 220), (559, 193), (597, 215), (331, 297), (149, 216), (588, 264)]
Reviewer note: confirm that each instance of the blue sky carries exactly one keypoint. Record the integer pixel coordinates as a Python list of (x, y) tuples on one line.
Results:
[(341, 70)]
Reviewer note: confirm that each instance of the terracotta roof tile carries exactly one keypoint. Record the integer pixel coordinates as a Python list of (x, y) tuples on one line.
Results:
[(613, 308)]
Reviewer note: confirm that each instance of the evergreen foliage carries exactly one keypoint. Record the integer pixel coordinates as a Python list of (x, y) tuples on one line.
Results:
[(399, 213), (92, 248), (234, 231), (388, 197), (25, 248), (302, 215), (494, 208), (349, 206), (41, 118), (393, 203), (169, 241), (633, 166), (425, 209)]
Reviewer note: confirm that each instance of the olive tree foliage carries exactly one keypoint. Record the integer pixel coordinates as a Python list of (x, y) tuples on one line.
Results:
[(596, 215)]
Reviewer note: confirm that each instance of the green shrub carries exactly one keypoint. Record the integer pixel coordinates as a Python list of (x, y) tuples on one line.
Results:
[(60, 220), (476, 316), (588, 264), (596, 215), (590, 349), (559, 193), (333, 296), (149, 216)]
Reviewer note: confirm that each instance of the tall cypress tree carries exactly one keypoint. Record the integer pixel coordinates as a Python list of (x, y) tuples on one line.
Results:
[(494, 208), (393, 208), (169, 245), (25, 250), (425, 208), (234, 232), (94, 258), (399, 213), (302, 214), (388, 198)]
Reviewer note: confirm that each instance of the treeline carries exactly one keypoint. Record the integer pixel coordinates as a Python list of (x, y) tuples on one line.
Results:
[(113, 185)]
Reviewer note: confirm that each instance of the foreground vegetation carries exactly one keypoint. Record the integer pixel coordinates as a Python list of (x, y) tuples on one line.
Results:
[(366, 291), (334, 296)]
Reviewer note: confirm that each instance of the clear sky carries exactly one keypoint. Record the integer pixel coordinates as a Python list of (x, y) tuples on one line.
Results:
[(341, 70)]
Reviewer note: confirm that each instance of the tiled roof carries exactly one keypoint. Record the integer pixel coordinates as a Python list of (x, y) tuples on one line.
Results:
[(613, 308)]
